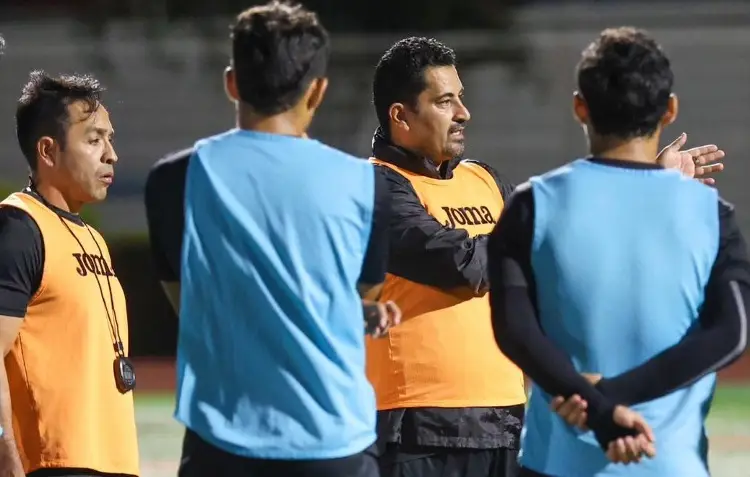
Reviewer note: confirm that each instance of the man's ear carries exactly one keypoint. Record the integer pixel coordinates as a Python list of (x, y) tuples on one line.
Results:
[(673, 107), (47, 152), (316, 92), (230, 84), (580, 109), (398, 117)]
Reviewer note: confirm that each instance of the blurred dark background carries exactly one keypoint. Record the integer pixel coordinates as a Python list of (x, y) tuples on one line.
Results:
[(162, 62)]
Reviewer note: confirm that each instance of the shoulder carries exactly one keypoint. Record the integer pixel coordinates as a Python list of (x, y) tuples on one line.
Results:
[(558, 173), (725, 207), (338, 164), (174, 160), (727, 218), (99, 237), (173, 165), (395, 181), (12, 216), (504, 184), (331, 152), (18, 230), (216, 139), (522, 197)]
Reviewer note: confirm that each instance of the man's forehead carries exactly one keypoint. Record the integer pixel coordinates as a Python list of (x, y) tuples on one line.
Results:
[(82, 112), (442, 79)]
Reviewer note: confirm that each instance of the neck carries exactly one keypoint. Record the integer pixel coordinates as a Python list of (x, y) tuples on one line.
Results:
[(634, 150), (436, 161), (286, 124), (56, 198)]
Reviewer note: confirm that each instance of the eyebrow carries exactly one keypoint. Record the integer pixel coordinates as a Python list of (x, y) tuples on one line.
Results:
[(450, 95), (101, 131)]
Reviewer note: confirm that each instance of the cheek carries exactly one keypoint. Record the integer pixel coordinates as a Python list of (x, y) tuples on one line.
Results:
[(438, 124), (78, 167)]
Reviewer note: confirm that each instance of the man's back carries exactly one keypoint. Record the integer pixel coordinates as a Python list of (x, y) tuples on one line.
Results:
[(621, 258), (271, 355)]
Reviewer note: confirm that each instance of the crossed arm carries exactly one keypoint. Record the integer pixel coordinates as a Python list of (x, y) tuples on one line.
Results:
[(718, 341)]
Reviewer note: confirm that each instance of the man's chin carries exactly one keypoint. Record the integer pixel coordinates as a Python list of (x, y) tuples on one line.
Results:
[(98, 196), (457, 151)]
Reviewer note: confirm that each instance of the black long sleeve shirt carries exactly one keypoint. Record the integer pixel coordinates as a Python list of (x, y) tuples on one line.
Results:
[(719, 340), (425, 251)]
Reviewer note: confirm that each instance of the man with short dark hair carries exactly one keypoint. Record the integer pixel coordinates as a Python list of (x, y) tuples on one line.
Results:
[(449, 403), (65, 401), (284, 237), (615, 266)]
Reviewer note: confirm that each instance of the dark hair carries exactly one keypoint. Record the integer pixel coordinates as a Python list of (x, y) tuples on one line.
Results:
[(43, 108), (399, 76), (626, 80), (277, 49)]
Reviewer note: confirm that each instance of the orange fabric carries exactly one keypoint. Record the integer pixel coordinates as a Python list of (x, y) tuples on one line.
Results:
[(67, 412), (444, 354)]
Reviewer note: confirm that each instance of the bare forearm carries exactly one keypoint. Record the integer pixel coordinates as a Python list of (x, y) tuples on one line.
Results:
[(10, 462)]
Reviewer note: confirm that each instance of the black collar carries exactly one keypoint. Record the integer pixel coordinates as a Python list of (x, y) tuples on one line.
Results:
[(624, 164), (385, 150), (75, 218)]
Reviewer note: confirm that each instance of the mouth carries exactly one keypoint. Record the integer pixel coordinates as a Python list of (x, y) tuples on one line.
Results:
[(457, 134), (107, 178)]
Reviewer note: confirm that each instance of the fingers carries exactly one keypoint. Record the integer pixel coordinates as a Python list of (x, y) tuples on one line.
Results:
[(640, 425), (647, 447), (706, 154), (394, 312), (678, 143), (382, 321), (630, 450), (702, 170), (572, 410), (556, 403), (381, 317), (592, 378), (376, 318)]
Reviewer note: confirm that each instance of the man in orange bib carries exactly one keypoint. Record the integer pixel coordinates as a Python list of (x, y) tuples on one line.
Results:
[(65, 401), (450, 403)]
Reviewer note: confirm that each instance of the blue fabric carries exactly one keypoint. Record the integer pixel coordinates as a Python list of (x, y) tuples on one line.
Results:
[(621, 257), (271, 360)]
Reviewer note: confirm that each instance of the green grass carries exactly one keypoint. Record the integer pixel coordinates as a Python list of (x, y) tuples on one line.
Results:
[(732, 401), (160, 436)]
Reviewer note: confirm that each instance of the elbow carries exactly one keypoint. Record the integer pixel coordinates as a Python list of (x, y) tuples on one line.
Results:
[(738, 347), (737, 335)]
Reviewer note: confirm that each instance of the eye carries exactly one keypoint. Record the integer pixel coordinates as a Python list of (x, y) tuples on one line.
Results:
[(444, 102), (94, 142)]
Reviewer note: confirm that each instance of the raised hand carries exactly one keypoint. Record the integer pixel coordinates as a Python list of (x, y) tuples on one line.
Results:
[(696, 162)]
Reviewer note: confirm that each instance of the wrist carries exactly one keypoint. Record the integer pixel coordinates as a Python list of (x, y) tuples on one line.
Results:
[(602, 423), (609, 389)]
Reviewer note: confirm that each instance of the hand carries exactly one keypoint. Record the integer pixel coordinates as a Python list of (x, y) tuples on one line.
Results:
[(573, 409), (626, 450), (380, 317), (10, 462), (695, 163)]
